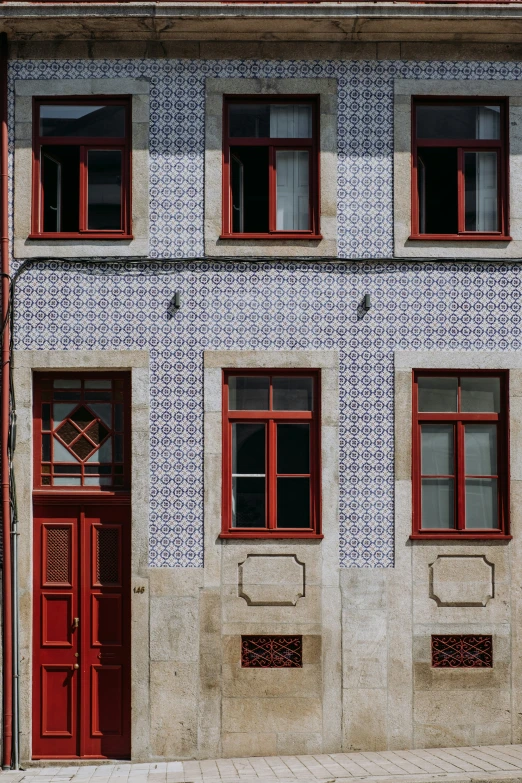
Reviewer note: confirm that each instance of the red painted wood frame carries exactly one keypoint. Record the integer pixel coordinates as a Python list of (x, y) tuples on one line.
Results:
[(464, 145), (273, 146), (271, 418), (85, 144), (41, 379), (458, 420)]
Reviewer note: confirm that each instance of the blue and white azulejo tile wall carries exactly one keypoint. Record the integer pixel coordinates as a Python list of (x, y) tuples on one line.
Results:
[(282, 305)]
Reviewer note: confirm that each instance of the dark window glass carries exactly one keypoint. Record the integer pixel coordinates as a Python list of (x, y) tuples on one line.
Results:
[(249, 121), (438, 395), (293, 448), (46, 416), (438, 195), (86, 121), (293, 502), (248, 449), (248, 393), (248, 502), (292, 394), (61, 188), (46, 448), (104, 190), (250, 188), (458, 122)]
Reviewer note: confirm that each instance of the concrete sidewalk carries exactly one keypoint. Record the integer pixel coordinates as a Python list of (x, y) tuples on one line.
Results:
[(460, 765)]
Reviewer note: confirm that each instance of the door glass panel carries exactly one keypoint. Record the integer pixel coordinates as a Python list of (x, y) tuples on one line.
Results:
[(480, 449), (293, 502), (67, 481), (480, 395), (67, 383), (292, 394), (46, 448), (481, 193), (481, 503), (87, 121), (458, 122), (104, 411), (437, 395), (293, 448), (61, 454), (292, 190), (104, 173), (61, 410), (437, 503), (437, 450), (98, 383), (248, 393), (290, 122)]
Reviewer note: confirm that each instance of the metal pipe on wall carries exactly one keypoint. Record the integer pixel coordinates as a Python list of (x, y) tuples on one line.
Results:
[(7, 609)]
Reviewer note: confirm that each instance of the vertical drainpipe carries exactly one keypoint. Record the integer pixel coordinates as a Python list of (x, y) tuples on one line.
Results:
[(4, 422)]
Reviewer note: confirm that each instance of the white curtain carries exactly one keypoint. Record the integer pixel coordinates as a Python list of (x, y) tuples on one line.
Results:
[(293, 193), (488, 122), (290, 122)]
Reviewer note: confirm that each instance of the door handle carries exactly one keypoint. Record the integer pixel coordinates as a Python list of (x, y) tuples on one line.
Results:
[(76, 666), (76, 622)]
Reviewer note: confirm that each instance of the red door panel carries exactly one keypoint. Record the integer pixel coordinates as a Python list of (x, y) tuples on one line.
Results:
[(81, 687), (58, 701)]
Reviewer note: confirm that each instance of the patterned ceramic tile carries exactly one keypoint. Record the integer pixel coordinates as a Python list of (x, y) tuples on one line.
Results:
[(278, 305)]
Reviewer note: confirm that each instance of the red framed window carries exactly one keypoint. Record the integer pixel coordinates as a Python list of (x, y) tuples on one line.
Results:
[(271, 454), (81, 432), (460, 455), (460, 169), (271, 167), (81, 168)]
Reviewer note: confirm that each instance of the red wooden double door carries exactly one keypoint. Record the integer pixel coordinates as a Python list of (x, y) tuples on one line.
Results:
[(81, 683)]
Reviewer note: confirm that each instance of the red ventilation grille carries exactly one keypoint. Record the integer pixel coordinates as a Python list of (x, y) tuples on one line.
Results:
[(107, 556), (58, 555), (271, 652), (462, 652)]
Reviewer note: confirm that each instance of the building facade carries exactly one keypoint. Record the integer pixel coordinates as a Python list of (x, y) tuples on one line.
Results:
[(267, 374)]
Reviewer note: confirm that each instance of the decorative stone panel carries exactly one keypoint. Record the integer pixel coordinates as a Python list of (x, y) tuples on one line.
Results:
[(271, 580), (461, 580)]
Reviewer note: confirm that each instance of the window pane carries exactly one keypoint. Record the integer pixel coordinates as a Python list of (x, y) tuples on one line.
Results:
[(67, 383), (274, 121), (98, 383), (248, 502), (437, 173), (67, 481), (60, 188), (437, 395), (249, 120), (437, 503), (292, 394), (293, 448), (248, 449), (437, 450), (292, 190), (481, 194), (249, 183), (458, 122), (249, 393), (290, 122), (293, 502), (481, 503), (46, 416), (104, 190), (480, 395), (89, 121), (480, 449)]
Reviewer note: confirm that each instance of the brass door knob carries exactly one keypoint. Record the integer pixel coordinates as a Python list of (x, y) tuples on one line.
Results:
[(76, 622), (76, 666)]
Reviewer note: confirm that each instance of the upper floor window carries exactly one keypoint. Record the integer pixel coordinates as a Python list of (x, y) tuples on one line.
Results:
[(460, 169), (271, 454), (460, 455), (81, 168), (270, 175)]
